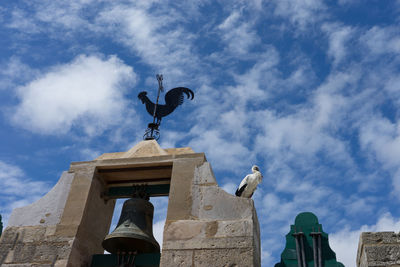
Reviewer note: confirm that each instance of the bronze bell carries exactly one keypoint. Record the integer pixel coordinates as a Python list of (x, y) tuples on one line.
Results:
[(134, 232)]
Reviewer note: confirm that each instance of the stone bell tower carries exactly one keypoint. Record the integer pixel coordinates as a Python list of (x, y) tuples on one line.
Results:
[(205, 226)]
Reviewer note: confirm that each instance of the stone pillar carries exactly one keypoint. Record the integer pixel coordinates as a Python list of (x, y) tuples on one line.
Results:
[(206, 226), (379, 249)]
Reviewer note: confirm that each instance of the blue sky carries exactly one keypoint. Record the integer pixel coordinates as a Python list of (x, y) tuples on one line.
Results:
[(307, 89)]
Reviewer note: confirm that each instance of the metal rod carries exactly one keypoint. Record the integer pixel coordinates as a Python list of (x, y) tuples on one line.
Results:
[(296, 238), (128, 261), (301, 235), (133, 258), (320, 249), (160, 88), (314, 241), (122, 258)]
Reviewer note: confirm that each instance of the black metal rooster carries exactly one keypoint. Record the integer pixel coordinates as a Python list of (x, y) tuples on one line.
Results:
[(173, 98)]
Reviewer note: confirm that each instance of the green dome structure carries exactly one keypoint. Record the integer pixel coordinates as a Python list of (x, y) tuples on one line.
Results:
[(307, 245)]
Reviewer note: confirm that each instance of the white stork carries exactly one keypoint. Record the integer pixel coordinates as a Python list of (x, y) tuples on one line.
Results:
[(249, 183)]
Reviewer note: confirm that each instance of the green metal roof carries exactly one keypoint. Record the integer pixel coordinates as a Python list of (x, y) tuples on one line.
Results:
[(307, 223)]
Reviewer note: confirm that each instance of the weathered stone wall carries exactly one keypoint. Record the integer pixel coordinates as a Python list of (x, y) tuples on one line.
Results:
[(33, 246), (379, 249), (206, 226)]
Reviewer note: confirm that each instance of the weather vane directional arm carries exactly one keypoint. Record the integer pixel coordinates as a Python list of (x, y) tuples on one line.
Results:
[(160, 89), (173, 98)]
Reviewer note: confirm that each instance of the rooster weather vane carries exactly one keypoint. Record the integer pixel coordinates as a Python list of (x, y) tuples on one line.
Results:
[(173, 98)]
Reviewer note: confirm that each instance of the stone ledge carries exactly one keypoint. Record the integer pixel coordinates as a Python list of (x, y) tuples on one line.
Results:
[(210, 243), (232, 257), (379, 249), (193, 229), (380, 238), (213, 203)]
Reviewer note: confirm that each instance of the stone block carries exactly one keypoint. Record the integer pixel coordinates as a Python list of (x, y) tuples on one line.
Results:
[(379, 249), (181, 258), (180, 195), (196, 229), (382, 255), (223, 258), (380, 238), (9, 257), (24, 265), (203, 175), (213, 203), (235, 228), (193, 234), (5, 250), (61, 263), (10, 235), (23, 252), (32, 234), (210, 243), (182, 230), (49, 252)]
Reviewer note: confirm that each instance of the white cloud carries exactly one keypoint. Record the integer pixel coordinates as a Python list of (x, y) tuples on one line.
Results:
[(47, 16), (345, 242), (22, 22), (348, 2), (254, 85), (89, 154), (300, 12), (158, 231), (300, 135), (381, 40), (338, 37), (15, 184), (222, 152), (86, 93), (230, 187), (15, 72), (238, 34), (381, 137), (155, 36), (146, 27), (65, 13), (170, 138)]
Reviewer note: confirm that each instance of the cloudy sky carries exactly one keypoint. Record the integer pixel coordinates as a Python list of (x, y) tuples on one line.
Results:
[(307, 89)]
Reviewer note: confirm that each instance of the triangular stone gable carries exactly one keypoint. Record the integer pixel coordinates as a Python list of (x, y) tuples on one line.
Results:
[(147, 148)]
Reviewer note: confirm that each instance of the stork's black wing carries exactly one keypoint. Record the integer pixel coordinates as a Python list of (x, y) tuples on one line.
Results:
[(240, 190)]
